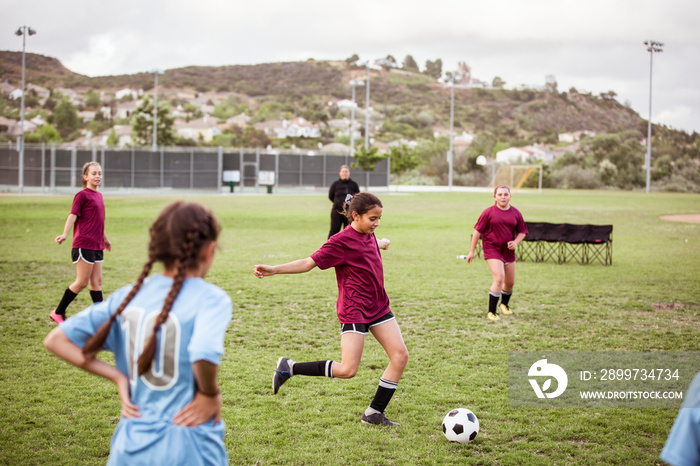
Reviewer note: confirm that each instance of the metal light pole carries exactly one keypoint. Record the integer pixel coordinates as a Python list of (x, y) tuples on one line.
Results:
[(353, 83), (652, 47), (450, 155), (367, 111), (155, 111), (22, 31)]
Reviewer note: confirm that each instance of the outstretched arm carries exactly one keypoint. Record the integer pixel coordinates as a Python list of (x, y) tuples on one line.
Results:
[(298, 266), (59, 344)]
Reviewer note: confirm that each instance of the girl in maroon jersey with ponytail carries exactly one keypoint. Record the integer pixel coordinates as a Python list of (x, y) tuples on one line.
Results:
[(501, 228)]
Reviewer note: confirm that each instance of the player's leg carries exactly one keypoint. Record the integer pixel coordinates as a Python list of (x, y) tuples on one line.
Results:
[(351, 346), (96, 283), (497, 268), (388, 334), (507, 291), (83, 271), (336, 222)]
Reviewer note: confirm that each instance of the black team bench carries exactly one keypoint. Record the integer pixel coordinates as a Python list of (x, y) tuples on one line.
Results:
[(564, 242)]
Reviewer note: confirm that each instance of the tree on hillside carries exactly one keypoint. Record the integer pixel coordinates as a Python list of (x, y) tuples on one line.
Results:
[(92, 100), (464, 73), (403, 158), (498, 83), (433, 68), (352, 60), (367, 160), (142, 124), (65, 117), (112, 139), (409, 64)]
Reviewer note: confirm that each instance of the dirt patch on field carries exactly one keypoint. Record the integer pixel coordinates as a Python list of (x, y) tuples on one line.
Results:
[(690, 218), (666, 307)]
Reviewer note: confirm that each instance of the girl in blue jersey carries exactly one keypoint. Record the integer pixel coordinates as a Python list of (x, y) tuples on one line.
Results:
[(167, 335)]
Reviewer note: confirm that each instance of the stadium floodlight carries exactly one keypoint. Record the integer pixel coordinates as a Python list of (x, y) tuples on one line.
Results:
[(155, 110), (22, 31), (353, 83), (652, 47)]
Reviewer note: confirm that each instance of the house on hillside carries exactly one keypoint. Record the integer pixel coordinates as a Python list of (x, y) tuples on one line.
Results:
[(87, 115), (524, 155), (41, 92), (574, 136), (242, 120), (345, 103), (73, 96), (120, 94), (6, 88), (6, 125), (202, 129), (124, 110), (297, 127)]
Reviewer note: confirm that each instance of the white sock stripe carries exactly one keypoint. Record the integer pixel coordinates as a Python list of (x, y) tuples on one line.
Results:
[(387, 384), (495, 295), (507, 292), (329, 368)]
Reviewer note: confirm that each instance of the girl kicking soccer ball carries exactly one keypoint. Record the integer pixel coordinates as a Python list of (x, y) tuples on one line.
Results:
[(501, 228), (167, 336), (87, 215), (362, 307)]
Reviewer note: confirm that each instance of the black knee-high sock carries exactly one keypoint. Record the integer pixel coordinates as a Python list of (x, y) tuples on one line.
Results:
[(383, 396), (96, 296), (505, 296), (68, 297), (314, 369), (493, 301)]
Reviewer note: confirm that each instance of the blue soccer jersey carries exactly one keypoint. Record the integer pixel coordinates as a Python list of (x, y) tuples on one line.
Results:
[(683, 444), (194, 331)]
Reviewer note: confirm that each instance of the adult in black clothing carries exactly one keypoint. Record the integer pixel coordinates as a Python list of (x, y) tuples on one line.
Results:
[(337, 194)]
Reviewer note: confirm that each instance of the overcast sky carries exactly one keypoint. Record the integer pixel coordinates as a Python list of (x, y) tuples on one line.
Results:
[(592, 45)]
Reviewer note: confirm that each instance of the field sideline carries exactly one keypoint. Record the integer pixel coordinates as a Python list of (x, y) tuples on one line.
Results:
[(649, 299)]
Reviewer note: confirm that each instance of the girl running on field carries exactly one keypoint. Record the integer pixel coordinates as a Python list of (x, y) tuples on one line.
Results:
[(501, 228), (362, 307), (167, 336), (89, 240)]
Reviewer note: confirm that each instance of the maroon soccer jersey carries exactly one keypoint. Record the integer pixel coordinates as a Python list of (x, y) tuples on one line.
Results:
[(89, 229), (360, 275), (497, 228)]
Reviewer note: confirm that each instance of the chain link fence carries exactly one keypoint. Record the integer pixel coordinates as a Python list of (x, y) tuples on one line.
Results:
[(52, 167)]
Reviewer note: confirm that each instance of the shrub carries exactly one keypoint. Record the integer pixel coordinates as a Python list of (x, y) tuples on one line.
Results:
[(573, 177)]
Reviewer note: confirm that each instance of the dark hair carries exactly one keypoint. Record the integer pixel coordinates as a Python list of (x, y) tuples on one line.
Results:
[(86, 167), (361, 203), (177, 237)]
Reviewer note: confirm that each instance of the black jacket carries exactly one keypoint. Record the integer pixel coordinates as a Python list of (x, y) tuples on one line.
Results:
[(341, 188)]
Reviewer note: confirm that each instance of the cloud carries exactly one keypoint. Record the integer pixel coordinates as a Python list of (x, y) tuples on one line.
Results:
[(593, 45)]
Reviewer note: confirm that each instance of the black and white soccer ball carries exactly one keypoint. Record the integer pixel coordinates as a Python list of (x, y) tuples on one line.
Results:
[(460, 425)]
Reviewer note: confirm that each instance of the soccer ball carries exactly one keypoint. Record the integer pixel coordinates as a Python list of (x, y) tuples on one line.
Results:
[(460, 425)]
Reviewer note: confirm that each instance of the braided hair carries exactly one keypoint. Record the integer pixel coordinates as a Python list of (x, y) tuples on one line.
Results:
[(178, 236)]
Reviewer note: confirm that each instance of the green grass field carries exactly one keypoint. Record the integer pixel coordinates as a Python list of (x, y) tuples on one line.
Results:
[(649, 299)]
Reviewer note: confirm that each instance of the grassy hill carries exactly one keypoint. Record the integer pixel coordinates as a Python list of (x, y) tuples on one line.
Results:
[(405, 106), (397, 94)]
